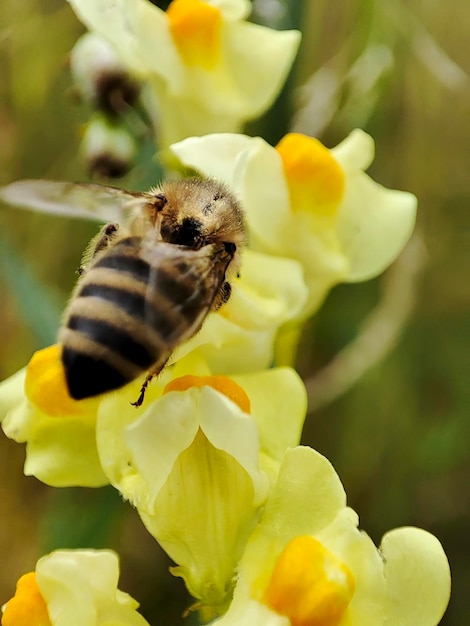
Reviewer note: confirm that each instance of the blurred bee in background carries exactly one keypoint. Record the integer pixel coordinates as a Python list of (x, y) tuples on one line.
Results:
[(148, 280)]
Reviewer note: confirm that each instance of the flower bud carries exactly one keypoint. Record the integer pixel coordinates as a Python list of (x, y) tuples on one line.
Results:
[(99, 75), (107, 148)]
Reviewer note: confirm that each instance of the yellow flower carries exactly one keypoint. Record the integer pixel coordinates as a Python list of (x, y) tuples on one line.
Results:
[(205, 67), (196, 470), (60, 433), (311, 204), (307, 564), (76, 587)]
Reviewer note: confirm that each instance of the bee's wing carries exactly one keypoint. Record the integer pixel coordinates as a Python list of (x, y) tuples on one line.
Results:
[(84, 200), (183, 285)]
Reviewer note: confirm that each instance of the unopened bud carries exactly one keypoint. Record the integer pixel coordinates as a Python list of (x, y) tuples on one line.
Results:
[(100, 76), (108, 148)]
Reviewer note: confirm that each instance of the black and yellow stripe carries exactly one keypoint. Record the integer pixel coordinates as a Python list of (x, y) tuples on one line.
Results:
[(106, 338), (128, 314)]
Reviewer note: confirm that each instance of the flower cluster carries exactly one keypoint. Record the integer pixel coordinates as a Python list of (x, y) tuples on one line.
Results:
[(257, 525), (201, 65)]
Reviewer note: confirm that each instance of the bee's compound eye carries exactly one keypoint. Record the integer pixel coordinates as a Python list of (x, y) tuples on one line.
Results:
[(230, 247), (160, 201), (110, 229)]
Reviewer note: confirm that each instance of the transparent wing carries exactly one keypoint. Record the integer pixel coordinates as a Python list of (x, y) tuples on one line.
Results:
[(183, 285), (83, 200)]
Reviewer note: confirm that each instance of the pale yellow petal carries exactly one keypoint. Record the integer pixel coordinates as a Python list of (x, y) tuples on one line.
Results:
[(374, 225), (176, 118), (258, 178), (237, 435), (278, 405), (260, 59), (80, 588), (60, 451), (357, 550), (202, 518), (12, 392), (246, 611), (109, 20), (418, 577), (306, 498), (115, 415), (233, 9), (240, 337), (356, 152), (214, 155)]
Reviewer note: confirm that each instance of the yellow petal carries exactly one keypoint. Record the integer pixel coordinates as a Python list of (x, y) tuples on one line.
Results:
[(225, 385), (314, 177), (418, 576), (310, 585), (81, 589), (27, 607), (46, 387), (201, 525), (11, 392), (196, 28)]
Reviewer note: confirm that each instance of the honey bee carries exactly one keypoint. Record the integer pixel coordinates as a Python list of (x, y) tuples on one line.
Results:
[(148, 280)]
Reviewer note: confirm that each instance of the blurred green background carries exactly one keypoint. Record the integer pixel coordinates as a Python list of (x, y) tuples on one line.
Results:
[(399, 438)]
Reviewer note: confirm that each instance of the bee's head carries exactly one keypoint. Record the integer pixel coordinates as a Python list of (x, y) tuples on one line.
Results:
[(187, 231), (200, 212)]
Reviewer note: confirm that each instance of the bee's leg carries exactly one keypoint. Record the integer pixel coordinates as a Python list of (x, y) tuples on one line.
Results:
[(143, 389), (222, 297), (145, 384), (98, 243), (107, 233)]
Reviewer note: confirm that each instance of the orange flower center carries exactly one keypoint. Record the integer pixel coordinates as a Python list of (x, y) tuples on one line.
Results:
[(196, 30), (27, 607), (223, 384), (46, 387), (309, 584), (314, 177)]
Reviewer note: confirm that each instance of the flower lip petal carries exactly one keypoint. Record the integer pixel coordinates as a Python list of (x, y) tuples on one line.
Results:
[(80, 588), (156, 439), (229, 429), (279, 405), (11, 392), (356, 151), (213, 154), (60, 445), (233, 9), (418, 576), (374, 225)]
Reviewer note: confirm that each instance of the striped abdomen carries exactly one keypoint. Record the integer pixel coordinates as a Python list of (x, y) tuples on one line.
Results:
[(117, 326)]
